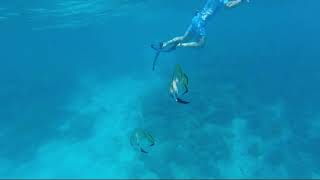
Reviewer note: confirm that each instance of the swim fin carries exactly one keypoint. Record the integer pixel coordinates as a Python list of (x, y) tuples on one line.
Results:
[(182, 101), (159, 48), (155, 60)]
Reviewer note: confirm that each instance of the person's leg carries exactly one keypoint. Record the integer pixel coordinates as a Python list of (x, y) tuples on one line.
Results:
[(178, 39), (199, 42), (174, 40), (194, 44)]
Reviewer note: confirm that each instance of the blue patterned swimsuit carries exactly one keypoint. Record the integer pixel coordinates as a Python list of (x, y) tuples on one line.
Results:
[(199, 21)]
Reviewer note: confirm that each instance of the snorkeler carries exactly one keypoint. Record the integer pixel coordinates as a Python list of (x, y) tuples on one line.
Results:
[(196, 31)]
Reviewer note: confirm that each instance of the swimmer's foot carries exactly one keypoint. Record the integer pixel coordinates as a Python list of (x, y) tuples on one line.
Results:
[(158, 46), (161, 45), (164, 47)]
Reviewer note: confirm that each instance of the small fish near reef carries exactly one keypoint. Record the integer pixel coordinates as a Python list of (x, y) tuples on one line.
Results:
[(141, 140)]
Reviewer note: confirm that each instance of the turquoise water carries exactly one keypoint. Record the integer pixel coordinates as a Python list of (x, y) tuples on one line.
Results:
[(76, 79)]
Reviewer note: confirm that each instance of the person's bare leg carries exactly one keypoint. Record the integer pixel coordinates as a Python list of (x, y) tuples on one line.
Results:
[(233, 3), (194, 44), (178, 39), (174, 40)]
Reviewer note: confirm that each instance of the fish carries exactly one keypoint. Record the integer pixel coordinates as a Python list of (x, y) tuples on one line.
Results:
[(141, 140), (179, 85)]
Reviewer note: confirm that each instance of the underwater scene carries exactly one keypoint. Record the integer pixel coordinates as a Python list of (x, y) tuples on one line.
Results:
[(154, 89)]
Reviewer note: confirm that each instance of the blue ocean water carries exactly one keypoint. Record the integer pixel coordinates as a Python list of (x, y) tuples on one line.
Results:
[(76, 79)]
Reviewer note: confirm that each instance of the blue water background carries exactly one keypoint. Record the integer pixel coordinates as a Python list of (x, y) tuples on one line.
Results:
[(76, 79)]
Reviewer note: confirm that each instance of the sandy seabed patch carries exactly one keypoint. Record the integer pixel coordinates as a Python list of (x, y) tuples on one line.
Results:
[(107, 152)]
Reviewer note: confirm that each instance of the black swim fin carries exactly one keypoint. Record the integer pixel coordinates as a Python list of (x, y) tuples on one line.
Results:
[(172, 48), (182, 101), (155, 60), (159, 48)]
